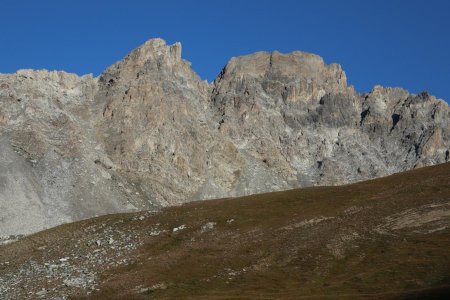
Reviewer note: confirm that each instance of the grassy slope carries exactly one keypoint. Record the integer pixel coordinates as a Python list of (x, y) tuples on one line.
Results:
[(385, 238)]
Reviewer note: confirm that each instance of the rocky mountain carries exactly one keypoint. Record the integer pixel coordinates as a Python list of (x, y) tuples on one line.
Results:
[(148, 132)]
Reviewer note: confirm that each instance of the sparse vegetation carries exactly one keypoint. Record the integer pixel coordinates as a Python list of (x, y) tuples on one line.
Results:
[(346, 242)]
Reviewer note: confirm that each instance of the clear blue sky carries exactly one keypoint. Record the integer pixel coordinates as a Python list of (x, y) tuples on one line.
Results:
[(392, 43)]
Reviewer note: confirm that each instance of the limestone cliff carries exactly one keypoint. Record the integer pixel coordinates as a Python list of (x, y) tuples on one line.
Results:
[(148, 132)]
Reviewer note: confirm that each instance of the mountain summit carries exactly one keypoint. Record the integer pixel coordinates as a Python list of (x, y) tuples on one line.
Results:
[(148, 132)]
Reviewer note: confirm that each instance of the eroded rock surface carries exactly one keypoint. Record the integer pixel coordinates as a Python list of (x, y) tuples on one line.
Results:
[(148, 132)]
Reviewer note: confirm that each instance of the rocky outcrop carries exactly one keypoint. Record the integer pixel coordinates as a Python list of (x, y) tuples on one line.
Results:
[(297, 116), (155, 124), (148, 132)]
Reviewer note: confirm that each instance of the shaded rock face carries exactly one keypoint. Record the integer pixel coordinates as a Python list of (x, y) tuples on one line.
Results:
[(148, 132)]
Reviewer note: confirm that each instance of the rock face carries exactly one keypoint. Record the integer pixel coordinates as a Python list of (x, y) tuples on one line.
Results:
[(148, 132)]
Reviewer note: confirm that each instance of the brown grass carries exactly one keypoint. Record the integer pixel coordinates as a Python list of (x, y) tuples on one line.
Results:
[(315, 243)]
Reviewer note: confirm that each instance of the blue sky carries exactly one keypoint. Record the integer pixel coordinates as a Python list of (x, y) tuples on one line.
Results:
[(392, 43)]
